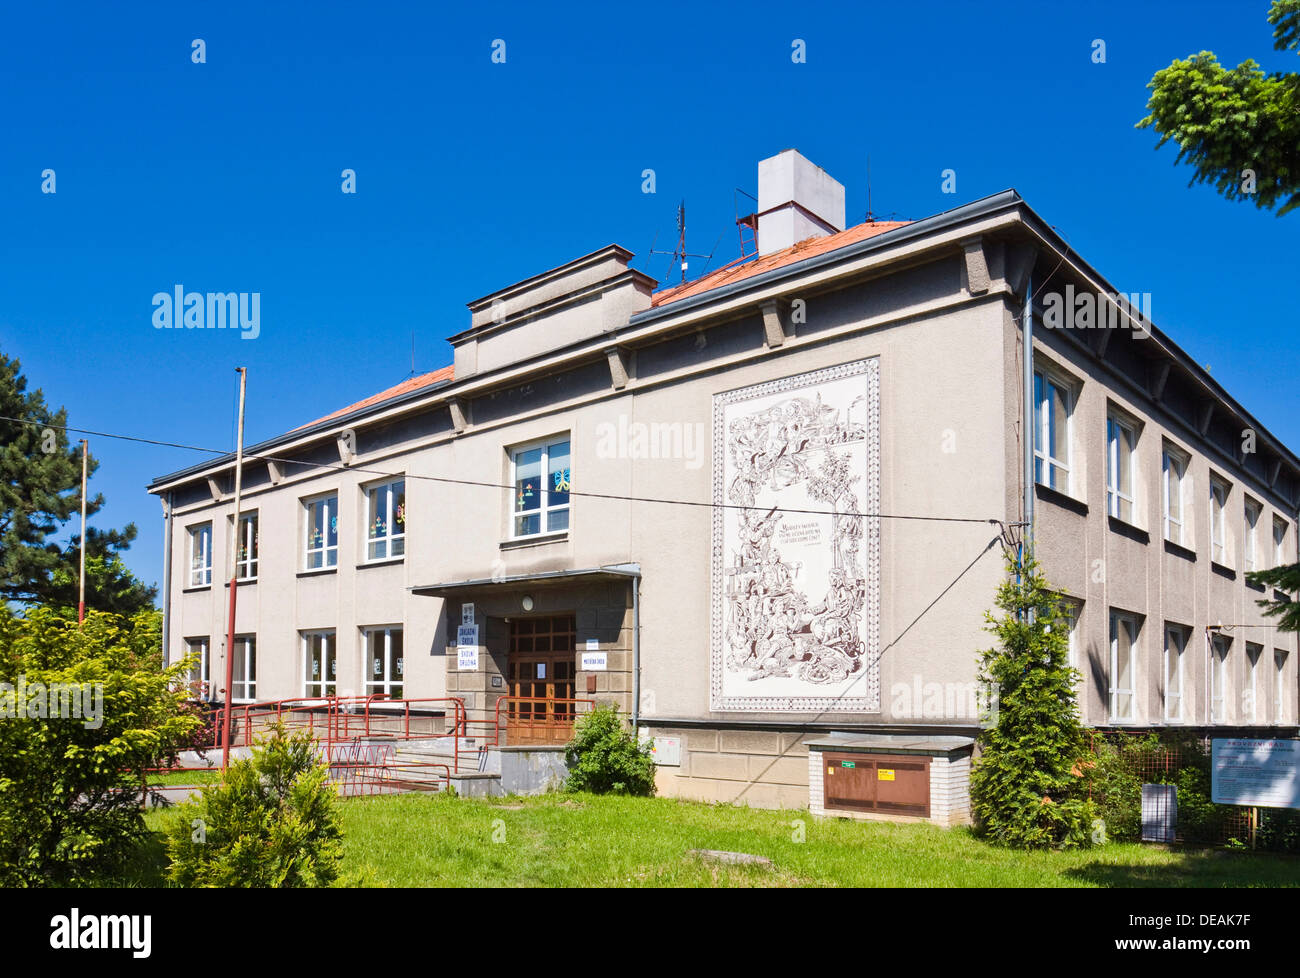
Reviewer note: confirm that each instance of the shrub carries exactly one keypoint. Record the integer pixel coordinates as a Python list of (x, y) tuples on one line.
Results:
[(69, 786), (604, 757), (270, 823), (1026, 791)]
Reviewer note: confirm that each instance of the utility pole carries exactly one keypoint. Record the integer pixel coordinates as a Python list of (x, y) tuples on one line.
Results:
[(81, 591), (234, 571)]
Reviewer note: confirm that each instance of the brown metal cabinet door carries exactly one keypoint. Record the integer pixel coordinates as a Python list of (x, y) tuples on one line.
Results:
[(850, 782), (903, 786)]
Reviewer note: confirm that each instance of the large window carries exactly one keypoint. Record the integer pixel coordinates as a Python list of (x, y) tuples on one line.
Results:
[(1280, 713), (386, 520), (1175, 646), (321, 536), (1121, 445), (245, 669), (385, 664), (246, 541), (1218, 521), (1175, 496), (1253, 511), (1250, 711), (319, 665), (542, 477), (1279, 542), (1053, 406), (200, 674), (1219, 646), (200, 555), (1123, 667)]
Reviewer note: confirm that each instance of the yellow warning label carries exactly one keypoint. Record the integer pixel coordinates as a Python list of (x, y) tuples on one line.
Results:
[(885, 774), (830, 770)]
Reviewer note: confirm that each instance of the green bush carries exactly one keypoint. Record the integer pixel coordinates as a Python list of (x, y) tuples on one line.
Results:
[(270, 823), (69, 785), (604, 757)]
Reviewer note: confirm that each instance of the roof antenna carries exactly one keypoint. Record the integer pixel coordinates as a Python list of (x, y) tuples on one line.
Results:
[(412, 353), (680, 254), (871, 218)]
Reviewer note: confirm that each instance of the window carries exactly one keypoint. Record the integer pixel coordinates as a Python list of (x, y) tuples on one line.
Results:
[(201, 555), (386, 520), (384, 662), (321, 547), (1279, 542), (1175, 645), (245, 669), (1279, 687), (539, 509), (1175, 475), (1253, 511), (1219, 646), (1070, 612), (319, 654), (1053, 405), (1250, 712), (1218, 521), (1121, 442), (246, 557), (1123, 667), (200, 678)]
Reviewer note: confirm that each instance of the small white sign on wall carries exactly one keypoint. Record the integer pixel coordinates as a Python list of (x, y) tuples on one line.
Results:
[(595, 661), (467, 613), (593, 645), (467, 647)]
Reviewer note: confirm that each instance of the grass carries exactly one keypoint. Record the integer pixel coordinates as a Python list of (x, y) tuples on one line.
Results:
[(586, 840)]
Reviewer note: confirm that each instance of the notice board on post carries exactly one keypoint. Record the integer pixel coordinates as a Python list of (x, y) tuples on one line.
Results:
[(1256, 773)]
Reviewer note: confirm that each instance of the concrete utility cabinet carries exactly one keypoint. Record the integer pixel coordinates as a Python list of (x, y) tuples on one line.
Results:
[(891, 776)]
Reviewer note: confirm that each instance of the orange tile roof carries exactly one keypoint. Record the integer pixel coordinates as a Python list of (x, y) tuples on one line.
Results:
[(796, 252), (405, 387)]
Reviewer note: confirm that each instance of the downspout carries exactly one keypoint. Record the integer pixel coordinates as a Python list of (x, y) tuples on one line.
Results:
[(636, 655), (167, 576), (1028, 440)]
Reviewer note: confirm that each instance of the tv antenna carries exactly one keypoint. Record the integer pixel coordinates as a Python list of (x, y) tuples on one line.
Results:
[(680, 254)]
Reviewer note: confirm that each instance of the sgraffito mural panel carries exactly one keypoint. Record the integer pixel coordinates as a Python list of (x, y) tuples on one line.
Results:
[(796, 551)]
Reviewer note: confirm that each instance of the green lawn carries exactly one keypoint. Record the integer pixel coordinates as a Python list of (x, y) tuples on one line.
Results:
[(584, 840)]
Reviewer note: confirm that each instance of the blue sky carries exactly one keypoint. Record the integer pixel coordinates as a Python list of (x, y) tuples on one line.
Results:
[(225, 176)]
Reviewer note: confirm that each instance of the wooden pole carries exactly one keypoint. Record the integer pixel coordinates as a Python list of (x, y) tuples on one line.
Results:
[(234, 570), (81, 590)]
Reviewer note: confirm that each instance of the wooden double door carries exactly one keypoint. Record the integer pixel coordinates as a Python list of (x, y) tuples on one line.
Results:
[(541, 672)]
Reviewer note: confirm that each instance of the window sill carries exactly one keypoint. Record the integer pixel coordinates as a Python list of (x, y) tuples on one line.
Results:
[(1261, 588), (241, 582), (537, 540), (1178, 550), (196, 587), (1223, 570), (382, 562), (317, 571), (1062, 499), (1126, 529)]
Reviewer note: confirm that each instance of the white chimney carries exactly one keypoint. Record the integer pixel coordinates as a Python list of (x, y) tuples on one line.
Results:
[(796, 200)]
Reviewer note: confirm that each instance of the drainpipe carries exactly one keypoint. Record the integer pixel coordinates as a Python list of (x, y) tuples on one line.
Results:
[(1028, 439), (167, 576), (636, 655)]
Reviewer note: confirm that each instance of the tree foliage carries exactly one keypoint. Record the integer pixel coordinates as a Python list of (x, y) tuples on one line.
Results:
[(272, 822), (1227, 121), (40, 491), (604, 756), (1284, 607), (69, 786), (1025, 785)]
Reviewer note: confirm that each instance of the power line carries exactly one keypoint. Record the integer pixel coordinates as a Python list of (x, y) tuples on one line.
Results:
[(497, 485)]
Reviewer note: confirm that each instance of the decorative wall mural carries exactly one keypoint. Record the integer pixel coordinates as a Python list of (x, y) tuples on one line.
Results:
[(796, 595)]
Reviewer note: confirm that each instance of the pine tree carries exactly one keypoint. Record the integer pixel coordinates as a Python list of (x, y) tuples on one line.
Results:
[(1024, 785)]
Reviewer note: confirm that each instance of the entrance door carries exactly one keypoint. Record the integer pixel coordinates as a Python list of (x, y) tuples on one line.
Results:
[(541, 675)]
